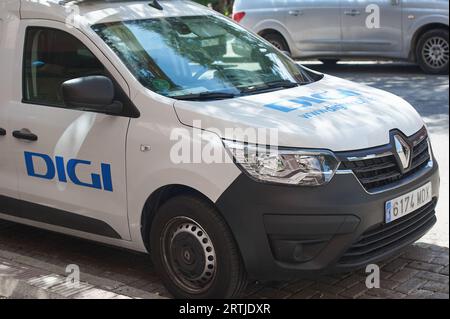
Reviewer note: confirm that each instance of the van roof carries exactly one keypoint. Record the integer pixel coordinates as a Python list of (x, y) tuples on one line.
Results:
[(102, 11)]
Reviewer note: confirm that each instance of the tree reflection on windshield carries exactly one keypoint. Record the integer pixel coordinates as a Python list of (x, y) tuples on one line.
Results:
[(179, 56)]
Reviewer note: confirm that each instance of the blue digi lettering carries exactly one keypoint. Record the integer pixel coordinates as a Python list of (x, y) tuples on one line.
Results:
[(107, 180), (280, 108), (328, 109), (347, 93), (48, 163), (305, 102), (299, 103), (342, 93), (71, 171), (58, 169)]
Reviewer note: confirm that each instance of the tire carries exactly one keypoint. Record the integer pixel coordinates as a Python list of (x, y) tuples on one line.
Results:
[(194, 251), (329, 61), (432, 52), (277, 41)]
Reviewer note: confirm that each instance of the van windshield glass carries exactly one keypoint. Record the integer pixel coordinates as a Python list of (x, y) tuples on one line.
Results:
[(199, 57)]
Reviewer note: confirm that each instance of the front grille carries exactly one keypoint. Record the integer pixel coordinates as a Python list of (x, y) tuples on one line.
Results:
[(385, 238), (382, 171)]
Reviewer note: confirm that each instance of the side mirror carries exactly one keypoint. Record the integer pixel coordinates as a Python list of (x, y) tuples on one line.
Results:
[(91, 93)]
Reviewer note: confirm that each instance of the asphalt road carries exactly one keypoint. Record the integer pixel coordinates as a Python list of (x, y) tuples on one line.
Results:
[(429, 94)]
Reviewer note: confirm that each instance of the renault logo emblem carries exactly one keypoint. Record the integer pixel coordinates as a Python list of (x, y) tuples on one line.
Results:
[(403, 151)]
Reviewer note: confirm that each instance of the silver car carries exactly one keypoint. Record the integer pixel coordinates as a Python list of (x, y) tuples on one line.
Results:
[(413, 30)]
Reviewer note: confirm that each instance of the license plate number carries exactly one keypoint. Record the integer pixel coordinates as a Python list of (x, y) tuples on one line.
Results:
[(408, 203)]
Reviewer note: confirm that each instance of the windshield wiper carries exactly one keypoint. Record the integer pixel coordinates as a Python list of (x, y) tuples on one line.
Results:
[(270, 86), (282, 84), (205, 96), (209, 96)]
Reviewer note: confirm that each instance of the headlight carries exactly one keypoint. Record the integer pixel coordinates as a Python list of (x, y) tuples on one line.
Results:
[(284, 166)]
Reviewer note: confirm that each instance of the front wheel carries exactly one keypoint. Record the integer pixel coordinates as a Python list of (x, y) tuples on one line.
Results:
[(433, 52), (194, 252), (277, 41)]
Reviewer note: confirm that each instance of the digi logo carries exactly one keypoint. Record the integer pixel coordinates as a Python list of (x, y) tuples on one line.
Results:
[(306, 102), (64, 172)]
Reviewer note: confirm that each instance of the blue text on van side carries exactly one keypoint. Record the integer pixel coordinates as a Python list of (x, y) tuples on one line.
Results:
[(63, 172)]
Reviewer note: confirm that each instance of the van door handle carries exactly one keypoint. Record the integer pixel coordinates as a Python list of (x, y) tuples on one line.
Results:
[(2, 132), (25, 134), (295, 13), (352, 13)]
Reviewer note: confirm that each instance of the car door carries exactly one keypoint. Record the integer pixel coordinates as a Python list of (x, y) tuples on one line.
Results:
[(8, 174), (371, 26), (70, 162), (314, 25)]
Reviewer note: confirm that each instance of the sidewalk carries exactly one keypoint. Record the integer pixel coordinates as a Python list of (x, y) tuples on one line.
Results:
[(24, 281), (33, 265)]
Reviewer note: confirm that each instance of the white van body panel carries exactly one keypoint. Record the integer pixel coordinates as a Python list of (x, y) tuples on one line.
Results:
[(355, 124), (147, 171)]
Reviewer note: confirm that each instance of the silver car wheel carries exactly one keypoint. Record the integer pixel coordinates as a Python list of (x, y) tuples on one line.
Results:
[(435, 52)]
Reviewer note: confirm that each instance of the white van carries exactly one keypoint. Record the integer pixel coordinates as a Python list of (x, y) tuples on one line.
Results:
[(164, 127)]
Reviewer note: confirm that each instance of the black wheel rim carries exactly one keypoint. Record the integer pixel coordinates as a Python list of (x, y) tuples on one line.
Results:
[(189, 255)]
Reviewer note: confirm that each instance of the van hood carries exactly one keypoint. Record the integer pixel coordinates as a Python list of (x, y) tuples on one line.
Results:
[(332, 113)]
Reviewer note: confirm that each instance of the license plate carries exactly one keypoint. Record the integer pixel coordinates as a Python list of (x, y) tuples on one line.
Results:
[(408, 203)]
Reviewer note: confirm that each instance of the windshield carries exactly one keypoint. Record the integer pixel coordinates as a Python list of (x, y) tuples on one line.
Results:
[(199, 56)]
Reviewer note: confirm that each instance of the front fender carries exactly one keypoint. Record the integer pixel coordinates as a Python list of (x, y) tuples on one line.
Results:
[(149, 169), (412, 30)]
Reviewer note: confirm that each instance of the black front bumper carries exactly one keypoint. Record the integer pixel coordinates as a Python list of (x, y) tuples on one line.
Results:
[(287, 232)]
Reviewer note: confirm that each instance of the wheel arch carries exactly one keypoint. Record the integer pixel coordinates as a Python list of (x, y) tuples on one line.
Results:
[(421, 31), (274, 26), (158, 198), (273, 31)]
